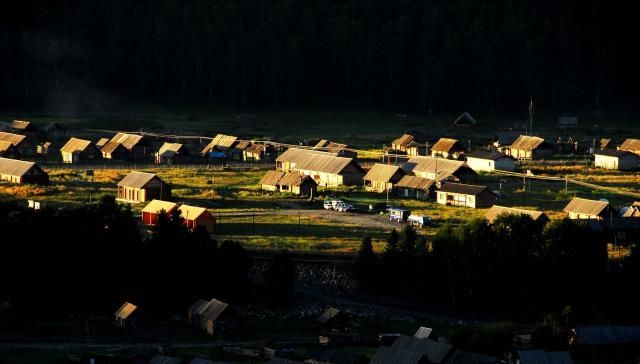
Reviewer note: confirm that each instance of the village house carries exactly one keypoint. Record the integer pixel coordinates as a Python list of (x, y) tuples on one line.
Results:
[(481, 161), (79, 150), (259, 153), (616, 159), (289, 182), (496, 211), (141, 187), (382, 177), (7, 150), (457, 194), (606, 143), (135, 147), (195, 217), (115, 151), (204, 314), (325, 168), (415, 187), (409, 349), (630, 145), (440, 169), (101, 142), (17, 171), (410, 145), (582, 208), (341, 150), (633, 210), (529, 147), (124, 313), (220, 144), (269, 181), (153, 209), (547, 357), (25, 147), (618, 231), (447, 148), (237, 152), (173, 153)]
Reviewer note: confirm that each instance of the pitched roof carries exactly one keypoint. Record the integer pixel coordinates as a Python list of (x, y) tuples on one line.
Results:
[(435, 351), (585, 206), (14, 167), (330, 146), (544, 357), (481, 154), (213, 309), (162, 359), (75, 145), (404, 140), (127, 140), (136, 179), (155, 206), (605, 335), (295, 179), (415, 182), (271, 178), (496, 211), (446, 145), (20, 125), (168, 150), (312, 160), (220, 141), (383, 173), (630, 145), (461, 188), (256, 148), (189, 212), (614, 153), (605, 143), (527, 142), (423, 332), (4, 146), (197, 306), (125, 310), (465, 118), (328, 314), (111, 146), (14, 139), (101, 142), (431, 165), (294, 155), (242, 145)]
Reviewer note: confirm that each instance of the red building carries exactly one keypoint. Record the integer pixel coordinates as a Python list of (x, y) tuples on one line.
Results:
[(152, 210)]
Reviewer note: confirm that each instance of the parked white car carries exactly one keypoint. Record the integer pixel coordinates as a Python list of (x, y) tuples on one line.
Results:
[(328, 204)]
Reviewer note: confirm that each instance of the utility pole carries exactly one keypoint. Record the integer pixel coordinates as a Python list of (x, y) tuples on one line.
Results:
[(531, 111), (566, 184)]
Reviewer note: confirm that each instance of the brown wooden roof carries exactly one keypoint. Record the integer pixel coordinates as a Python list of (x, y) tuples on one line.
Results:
[(75, 145), (415, 182), (155, 206), (447, 145), (136, 179), (526, 142), (168, 150), (384, 173), (111, 146), (4, 146), (294, 179), (14, 167), (585, 206), (630, 145), (271, 178), (404, 140), (312, 160), (129, 141), (126, 310), (102, 142), (220, 141), (14, 139), (496, 211)]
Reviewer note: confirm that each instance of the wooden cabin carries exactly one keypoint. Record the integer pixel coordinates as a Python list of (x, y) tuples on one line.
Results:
[(448, 148), (298, 184), (339, 149), (173, 153), (496, 211), (440, 169), (79, 150), (382, 177), (269, 181), (153, 209), (140, 187), (526, 148), (23, 172), (616, 159), (209, 314), (414, 187), (137, 148), (326, 169), (195, 217), (115, 151), (582, 208), (259, 153), (401, 144), (220, 144), (458, 194), (123, 315), (481, 161), (237, 152)]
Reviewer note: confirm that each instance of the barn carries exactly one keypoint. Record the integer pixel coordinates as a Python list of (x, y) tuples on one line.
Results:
[(481, 161), (529, 147), (17, 171), (79, 150), (152, 210), (582, 208), (414, 187), (382, 177), (447, 148), (326, 169), (141, 187), (198, 217), (458, 194), (616, 159), (496, 211)]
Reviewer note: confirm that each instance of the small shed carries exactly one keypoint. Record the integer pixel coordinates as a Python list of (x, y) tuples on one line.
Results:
[(298, 184), (496, 211), (141, 187), (382, 177), (616, 159), (79, 150), (124, 313), (414, 187), (173, 153), (259, 153), (17, 171), (198, 217), (529, 147), (582, 208), (458, 194), (154, 208), (481, 161), (447, 148), (209, 314)]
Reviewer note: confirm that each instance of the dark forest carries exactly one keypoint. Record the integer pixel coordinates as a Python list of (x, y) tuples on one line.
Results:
[(430, 54)]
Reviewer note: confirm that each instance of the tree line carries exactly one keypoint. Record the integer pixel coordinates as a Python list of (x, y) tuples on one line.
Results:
[(433, 54)]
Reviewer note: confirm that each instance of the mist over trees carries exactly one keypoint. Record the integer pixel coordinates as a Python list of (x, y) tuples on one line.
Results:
[(421, 54)]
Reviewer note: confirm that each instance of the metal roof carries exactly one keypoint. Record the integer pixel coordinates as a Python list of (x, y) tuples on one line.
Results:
[(496, 211), (544, 357), (75, 145), (404, 140), (137, 179), (607, 335), (431, 165), (384, 173), (614, 153), (463, 189), (313, 160), (423, 332), (446, 145), (155, 206), (14, 139), (271, 178), (527, 142), (630, 145), (125, 310), (14, 167), (191, 212), (415, 182), (481, 154), (213, 309), (127, 140), (585, 206)]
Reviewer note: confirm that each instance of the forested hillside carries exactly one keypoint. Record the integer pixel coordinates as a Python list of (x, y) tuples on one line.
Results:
[(438, 54)]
